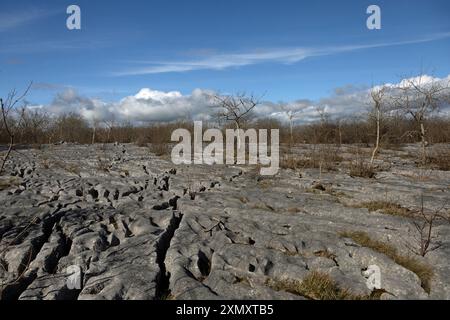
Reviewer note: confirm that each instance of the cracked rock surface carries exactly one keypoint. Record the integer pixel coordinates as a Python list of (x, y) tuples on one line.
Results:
[(139, 227)]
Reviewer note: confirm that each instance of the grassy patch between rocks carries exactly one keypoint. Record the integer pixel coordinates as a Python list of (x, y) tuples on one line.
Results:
[(8, 182), (422, 270), (386, 207), (317, 286)]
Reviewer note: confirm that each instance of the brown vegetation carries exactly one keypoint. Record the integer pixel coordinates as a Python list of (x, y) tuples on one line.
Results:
[(361, 168), (317, 286), (41, 128), (386, 207), (324, 157), (439, 158)]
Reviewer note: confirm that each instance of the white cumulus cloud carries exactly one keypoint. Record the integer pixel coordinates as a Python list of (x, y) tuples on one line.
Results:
[(149, 105)]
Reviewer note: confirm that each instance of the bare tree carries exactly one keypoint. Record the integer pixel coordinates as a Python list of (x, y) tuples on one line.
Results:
[(291, 113), (110, 124), (419, 97), (324, 130), (377, 94), (340, 122), (11, 125), (95, 123), (34, 125), (323, 114), (235, 109), (424, 225)]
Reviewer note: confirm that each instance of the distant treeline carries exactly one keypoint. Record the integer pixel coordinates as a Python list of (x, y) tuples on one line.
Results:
[(39, 128)]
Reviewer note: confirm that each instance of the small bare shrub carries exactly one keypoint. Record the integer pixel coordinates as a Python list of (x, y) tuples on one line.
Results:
[(425, 239), (361, 168), (12, 117)]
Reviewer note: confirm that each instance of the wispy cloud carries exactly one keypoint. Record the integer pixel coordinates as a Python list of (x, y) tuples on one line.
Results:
[(10, 20), (49, 86), (274, 55)]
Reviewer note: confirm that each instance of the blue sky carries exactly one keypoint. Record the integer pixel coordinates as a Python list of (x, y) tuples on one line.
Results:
[(286, 49)]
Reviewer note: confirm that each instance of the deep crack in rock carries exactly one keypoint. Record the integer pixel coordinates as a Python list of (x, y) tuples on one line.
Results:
[(163, 244)]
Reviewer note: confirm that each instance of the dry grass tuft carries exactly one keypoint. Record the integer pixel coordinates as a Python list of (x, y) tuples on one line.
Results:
[(167, 296), (265, 183), (317, 286), (8, 182), (243, 199), (241, 280), (69, 167), (361, 168), (423, 271), (386, 207)]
